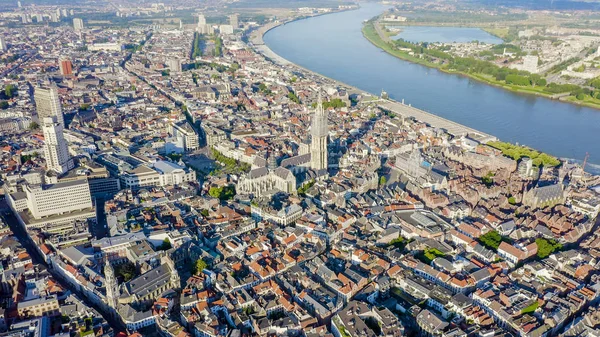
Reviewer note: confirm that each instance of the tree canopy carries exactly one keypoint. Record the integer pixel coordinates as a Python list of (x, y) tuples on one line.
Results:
[(546, 247)]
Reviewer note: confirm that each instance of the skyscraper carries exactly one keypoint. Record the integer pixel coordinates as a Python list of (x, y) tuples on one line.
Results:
[(47, 103), (77, 24), (56, 151), (201, 20), (319, 131), (234, 21), (66, 67), (3, 46)]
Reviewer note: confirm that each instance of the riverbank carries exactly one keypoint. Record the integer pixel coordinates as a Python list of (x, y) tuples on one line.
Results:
[(372, 32), (400, 108)]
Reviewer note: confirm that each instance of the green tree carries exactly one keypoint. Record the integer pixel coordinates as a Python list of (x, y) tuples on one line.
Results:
[(3, 105), (165, 245), (10, 91), (382, 180), (204, 212), (546, 247), (222, 193), (126, 271), (292, 96), (199, 266), (491, 239)]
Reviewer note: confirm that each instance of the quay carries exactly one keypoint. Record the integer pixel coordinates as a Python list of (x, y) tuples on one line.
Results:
[(398, 108)]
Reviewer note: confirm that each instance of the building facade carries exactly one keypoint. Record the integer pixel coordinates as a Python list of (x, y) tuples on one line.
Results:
[(56, 151), (47, 103)]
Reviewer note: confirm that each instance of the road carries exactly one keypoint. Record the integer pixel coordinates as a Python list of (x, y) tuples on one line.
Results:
[(38, 259)]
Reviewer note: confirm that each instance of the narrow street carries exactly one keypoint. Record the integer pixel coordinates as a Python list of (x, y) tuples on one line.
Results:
[(26, 241)]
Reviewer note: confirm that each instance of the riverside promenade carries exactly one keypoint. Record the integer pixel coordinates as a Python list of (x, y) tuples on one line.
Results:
[(397, 108)]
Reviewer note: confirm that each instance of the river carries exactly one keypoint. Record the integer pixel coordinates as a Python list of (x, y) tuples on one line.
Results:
[(333, 45)]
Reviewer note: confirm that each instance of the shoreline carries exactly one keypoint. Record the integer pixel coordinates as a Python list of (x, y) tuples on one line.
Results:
[(514, 89), (275, 58), (400, 108)]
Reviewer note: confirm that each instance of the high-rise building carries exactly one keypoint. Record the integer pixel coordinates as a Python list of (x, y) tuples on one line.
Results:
[(201, 20), (319, 132), (66, 67), (226, 29), (39, 18), (61, 198), (56, 151), (3, 45), (47, 103), (77, 24), (234, 21), (174, 65), (184, 130), (19, 4)]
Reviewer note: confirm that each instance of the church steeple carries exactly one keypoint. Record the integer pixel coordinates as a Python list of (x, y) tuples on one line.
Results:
[(319, 131), (112, 287)]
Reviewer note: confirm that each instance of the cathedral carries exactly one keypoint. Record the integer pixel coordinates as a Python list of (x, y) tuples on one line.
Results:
[(294, 171)]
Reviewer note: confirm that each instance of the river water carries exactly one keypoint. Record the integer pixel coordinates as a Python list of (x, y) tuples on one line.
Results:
[(416, 34), (333, 45)]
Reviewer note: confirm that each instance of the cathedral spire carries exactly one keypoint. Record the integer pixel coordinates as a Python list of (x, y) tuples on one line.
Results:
[(112, 288), (319, 132)]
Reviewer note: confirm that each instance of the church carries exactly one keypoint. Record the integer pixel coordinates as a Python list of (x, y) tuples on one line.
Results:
[(294, 171)]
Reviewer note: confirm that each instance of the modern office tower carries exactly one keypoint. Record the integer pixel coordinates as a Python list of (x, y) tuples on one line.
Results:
[(66, 67), (47, 103), (174, 65), (234, 21), (56, 151), (39, 18), (59, 198), (77, 24), (3, 45), (201, 20)]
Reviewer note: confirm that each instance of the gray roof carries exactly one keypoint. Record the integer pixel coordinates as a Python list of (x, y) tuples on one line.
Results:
[(548, 192), (150, 281), (296, 161), (257, 173)]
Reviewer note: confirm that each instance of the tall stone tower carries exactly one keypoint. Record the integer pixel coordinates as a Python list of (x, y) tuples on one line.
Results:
[(319, 131), (112, 287)]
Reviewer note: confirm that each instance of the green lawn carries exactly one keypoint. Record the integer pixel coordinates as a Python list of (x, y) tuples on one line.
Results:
[(530, 308)]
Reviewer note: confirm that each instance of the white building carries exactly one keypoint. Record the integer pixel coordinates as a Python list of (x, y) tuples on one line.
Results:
[(77, 24), (226, 29), (59, 198), (234, 21), (3, 46), (106, 46), (162, 173), (174, 65), (185, 131), (56, 151), (201, 20), (47, 103)]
